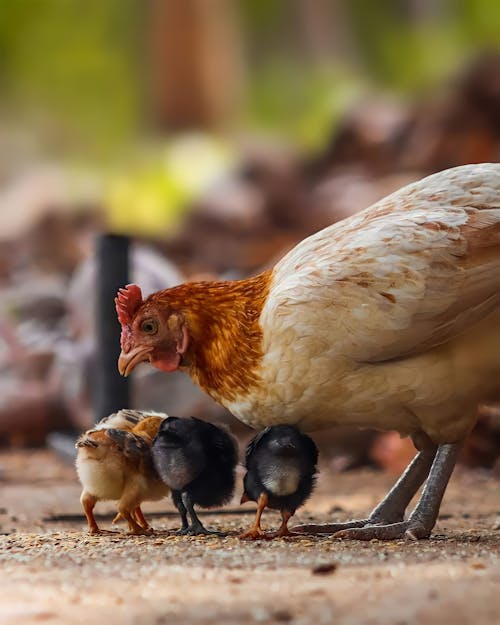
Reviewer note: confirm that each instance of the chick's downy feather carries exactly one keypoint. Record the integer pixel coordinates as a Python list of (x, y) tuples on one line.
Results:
[(197, 460), (281, 473), (114, 463), (388, 319)]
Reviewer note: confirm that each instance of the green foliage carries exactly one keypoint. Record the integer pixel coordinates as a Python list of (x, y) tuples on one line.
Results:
[(300, 103), (71, 70), (73, 61)]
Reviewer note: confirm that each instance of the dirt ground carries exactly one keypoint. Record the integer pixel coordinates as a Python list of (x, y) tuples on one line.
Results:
[(52, 571)]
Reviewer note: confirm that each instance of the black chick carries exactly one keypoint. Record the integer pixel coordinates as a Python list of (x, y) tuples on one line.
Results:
[(197, 460), (281, 474)]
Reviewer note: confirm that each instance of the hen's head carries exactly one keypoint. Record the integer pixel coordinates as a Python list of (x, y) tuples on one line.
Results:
[(151, 331)]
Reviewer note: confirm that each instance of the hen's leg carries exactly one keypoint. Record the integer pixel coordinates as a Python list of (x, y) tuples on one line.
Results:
[(423, 517), (392, 508), (255, 531)]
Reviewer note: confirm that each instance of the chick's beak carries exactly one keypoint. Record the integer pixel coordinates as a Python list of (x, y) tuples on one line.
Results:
[(127, 361)]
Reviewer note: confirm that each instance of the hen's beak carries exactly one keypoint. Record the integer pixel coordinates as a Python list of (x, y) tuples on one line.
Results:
[(129, 360)]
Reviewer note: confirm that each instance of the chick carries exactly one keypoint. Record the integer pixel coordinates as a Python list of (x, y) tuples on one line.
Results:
[(197, 460), (114, 463), (281, 474)]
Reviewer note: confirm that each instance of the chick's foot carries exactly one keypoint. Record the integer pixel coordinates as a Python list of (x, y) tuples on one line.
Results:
[(141, 531), (197, 530), (255, 533)]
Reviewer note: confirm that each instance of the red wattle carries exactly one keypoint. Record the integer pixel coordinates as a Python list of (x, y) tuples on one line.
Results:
[(167, 363)]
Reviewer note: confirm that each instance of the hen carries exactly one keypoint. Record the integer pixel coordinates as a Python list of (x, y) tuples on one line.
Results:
[(388, 319), (281, 474), (114, 463)]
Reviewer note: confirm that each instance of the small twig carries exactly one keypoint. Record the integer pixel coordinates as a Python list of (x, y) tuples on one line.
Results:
[(55, 518)]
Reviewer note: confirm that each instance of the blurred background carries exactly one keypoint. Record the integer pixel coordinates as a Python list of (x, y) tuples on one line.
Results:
[(215, 134)]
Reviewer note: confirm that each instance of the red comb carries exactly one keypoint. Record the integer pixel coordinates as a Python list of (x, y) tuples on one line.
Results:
[(127, 302)]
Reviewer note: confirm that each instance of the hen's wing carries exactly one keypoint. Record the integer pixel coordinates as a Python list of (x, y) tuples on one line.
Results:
[(402, 276)]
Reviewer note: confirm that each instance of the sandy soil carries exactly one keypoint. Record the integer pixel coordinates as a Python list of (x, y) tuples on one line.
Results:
[(52, 571)]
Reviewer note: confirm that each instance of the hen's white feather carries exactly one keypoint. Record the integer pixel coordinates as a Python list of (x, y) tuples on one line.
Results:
[(389, 318)]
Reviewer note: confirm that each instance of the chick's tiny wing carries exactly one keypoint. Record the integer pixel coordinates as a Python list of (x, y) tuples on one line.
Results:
[(402, 276), (310, 449), (124, 419), (132, 445), (220, 440), (253, 445)]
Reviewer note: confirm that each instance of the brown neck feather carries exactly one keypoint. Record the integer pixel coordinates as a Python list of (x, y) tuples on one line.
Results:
[(223, 325)]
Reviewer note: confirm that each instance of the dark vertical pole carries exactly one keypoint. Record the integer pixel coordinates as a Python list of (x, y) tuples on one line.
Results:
[(112, 392)]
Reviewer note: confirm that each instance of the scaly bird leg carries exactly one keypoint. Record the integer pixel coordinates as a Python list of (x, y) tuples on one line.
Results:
[(177, 499), (140, 518), (283, 530), (392, 508), (133, 526), (88, 502), (127, 508), (423, 517), (255, 531), (196, 528)]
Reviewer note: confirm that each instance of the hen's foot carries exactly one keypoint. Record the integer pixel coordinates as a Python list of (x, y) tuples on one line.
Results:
[(329, 528), (422, 519), (391, 509), (411, 530)]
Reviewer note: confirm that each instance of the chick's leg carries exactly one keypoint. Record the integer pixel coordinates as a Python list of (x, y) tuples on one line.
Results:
[(283, 530), (88, 502), (392, 508), (423, 518), (255, 531), (196, 527), (133, 526), (127, 507), (177, 499), (139, 517)]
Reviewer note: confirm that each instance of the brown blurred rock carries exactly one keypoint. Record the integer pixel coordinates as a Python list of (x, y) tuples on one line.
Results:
[(459, 123), (244, 221)]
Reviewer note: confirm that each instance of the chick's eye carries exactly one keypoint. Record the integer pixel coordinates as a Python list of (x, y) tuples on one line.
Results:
[(149, 326)]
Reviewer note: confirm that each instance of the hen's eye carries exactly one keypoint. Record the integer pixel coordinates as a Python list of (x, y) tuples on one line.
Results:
[(149, 326)]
